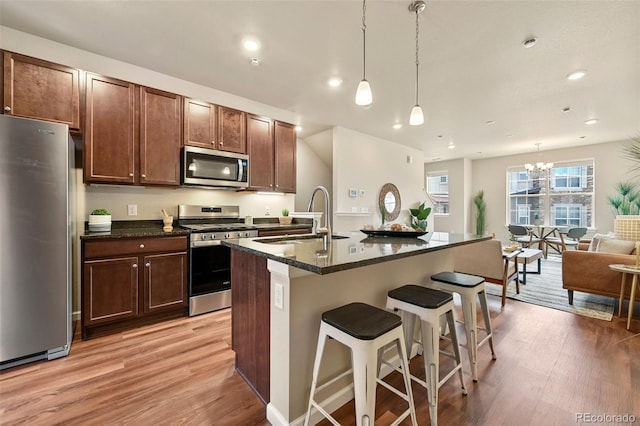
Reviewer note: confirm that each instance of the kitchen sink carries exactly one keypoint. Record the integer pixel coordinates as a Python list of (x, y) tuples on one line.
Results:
[(294, 239)]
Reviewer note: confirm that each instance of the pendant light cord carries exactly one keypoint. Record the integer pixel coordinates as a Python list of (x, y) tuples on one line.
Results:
[(364, 39), (417, 60)]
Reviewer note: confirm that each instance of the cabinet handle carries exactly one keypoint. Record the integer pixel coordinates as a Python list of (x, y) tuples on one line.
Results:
[(134, 266), (213, 142), (221, 143), (148, 264), (130, 174), (141, 245), (144, 176), (7, 108)]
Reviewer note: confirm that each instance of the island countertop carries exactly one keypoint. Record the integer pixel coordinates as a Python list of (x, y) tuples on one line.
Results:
[(353, 250)]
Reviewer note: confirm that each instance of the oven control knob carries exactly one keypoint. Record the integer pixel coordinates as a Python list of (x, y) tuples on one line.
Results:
[(227, 235), (204, 237)]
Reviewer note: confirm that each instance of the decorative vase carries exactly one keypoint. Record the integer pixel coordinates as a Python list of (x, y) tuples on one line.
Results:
[(99, 222)]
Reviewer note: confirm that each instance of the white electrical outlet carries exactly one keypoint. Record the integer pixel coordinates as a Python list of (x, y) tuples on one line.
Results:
[(362, 193), (267, 210), (278, 296), (353, 192), (132, 209)]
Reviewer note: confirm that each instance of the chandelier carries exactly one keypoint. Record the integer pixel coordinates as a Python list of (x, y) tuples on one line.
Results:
[(539, 165)]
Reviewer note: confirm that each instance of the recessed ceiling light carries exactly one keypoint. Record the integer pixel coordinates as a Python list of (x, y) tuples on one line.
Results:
[(298, 128), (582, 137), (576, 75), (436, 159), (251, 44), (530, 42), (509, 136), (490, 122), (566, 109), (255, 61), (591, 121), (451, 145), (397, 126), (440, 136), (334, 81)]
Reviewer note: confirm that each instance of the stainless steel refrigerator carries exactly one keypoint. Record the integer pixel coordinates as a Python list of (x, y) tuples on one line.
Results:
[(36, 234)]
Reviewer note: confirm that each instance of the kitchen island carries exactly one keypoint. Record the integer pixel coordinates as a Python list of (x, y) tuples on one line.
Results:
[(280, 287)]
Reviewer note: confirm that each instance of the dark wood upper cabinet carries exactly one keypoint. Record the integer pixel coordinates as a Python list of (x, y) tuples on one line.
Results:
[(110, 140), (160, 137), (285, 157), (231, 130), (260, 149), (41, 90), (200, 124)]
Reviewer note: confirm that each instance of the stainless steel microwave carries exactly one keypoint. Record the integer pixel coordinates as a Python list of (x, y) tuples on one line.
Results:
[(208, 167)]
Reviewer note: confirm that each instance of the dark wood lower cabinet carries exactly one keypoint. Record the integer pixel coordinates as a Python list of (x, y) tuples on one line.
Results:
[(144, 282), (250, 319)]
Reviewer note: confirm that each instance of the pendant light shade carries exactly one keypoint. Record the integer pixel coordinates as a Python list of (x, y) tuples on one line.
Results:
[(364, 97), (363, 94), (417, 117)]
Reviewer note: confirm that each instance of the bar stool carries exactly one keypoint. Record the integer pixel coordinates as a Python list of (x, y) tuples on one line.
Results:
[(428, 305), (364, 329), (469, 287)]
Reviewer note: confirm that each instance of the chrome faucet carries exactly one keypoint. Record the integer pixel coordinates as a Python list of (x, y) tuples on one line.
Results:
[(325, 231)]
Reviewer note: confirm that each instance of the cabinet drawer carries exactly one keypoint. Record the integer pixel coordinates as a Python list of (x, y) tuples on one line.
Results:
[(120, 247)]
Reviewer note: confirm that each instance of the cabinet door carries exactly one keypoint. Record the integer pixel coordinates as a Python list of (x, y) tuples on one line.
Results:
[(110, 290), (285, 157), (110, 138), (165, 281), (200, 124), (41, 90), (160, 137), (260, 150), (231, 130)]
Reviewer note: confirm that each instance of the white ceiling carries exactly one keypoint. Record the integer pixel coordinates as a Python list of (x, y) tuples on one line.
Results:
[(473, 67)]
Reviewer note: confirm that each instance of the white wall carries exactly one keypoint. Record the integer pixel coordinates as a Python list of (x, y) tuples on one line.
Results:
[(364, 162), (459, 182), (312, 171), (490, 175)]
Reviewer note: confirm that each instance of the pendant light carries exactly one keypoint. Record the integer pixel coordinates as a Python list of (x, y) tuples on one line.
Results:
[(540, 165), (363, 94), (417, 117)]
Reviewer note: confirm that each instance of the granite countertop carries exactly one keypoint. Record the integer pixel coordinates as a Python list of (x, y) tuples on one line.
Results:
[(354, 251), (134, 229)]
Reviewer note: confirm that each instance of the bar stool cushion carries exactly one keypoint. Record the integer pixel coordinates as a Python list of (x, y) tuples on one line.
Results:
[(420, 296), (362, 321), (457, 278)]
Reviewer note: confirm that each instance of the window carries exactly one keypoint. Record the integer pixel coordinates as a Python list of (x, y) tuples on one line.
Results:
[(438, 190), (561, 196)]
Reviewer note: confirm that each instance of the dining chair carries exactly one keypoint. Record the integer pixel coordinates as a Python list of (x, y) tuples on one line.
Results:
[(559, 241), (524, 236)]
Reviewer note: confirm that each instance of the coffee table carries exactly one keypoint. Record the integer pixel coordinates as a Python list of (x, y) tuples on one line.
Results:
[(527, 256), (627, 269)]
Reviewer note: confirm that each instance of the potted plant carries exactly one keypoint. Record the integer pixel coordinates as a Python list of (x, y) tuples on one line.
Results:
[(419, 217), (285, 219), (481, 206), (100, 220)]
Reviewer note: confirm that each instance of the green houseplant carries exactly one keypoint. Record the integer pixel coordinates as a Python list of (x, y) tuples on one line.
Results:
[(419, 217), (285, 219), (100, 220), (481, 207), (626, 200)]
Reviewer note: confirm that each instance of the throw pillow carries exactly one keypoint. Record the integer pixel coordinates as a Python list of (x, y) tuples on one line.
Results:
[(610, 245), (596, 239)]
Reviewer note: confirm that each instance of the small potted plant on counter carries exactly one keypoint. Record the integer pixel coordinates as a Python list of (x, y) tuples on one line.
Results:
[(285, 219), (419, 217), (100, 220)]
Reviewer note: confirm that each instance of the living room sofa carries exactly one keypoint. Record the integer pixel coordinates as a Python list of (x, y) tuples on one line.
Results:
[(589, 272)]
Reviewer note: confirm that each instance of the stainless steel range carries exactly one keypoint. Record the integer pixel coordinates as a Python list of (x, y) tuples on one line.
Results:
[(210, 280)]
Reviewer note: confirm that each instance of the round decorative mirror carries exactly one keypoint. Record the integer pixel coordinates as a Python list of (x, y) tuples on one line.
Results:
[(389, 201)]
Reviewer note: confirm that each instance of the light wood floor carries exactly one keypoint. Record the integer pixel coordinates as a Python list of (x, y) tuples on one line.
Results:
[(551, 365)]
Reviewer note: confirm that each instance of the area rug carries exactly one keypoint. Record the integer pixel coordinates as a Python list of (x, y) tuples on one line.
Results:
[(546, 289)]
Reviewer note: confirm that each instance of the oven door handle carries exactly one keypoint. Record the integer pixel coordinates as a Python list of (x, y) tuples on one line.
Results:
[(195, 244)]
